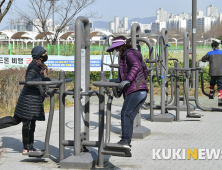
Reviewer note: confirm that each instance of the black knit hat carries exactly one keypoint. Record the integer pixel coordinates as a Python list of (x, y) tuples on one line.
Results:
[(214, 44), (37, 52)]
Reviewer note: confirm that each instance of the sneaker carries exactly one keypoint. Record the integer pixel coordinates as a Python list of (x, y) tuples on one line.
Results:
[(33, 150), (124, 143), (26, 151)]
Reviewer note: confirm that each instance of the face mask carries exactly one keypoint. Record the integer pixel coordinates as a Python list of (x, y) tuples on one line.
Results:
[(45, 58), (116, 53)]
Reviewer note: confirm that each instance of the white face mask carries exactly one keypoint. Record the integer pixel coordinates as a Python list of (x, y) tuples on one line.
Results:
[(116, 53)]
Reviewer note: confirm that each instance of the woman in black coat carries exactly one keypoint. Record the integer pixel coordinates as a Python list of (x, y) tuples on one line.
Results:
[(30, 106)]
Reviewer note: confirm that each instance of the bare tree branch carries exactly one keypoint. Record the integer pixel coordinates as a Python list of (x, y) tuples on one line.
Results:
[(65, 13), (6, 9)]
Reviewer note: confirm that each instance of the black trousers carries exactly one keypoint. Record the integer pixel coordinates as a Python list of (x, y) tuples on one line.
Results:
[(28, 129), (216, 80)]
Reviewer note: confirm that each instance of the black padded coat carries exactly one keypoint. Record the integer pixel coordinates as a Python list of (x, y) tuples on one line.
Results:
[(30, 103)]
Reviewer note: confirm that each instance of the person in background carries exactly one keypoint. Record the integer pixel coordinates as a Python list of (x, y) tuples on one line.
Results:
[(215, 70)]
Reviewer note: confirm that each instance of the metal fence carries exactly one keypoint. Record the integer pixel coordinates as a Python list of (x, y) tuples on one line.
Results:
[(175, 51), (63, 50)]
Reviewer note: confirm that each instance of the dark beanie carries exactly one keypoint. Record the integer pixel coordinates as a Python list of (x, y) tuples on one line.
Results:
[(215, 44), (37, 51)]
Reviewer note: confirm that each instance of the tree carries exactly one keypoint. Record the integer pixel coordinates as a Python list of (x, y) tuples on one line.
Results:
[(4, 8), (40, 11)]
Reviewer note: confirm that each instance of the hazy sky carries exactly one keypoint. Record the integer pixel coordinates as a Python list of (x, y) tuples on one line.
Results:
[(107, 9)]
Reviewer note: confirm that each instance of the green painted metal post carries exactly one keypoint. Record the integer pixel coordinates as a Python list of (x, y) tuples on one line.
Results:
[(65, 49), (48, 49), (110, 75), (58, 49), (10, 49)]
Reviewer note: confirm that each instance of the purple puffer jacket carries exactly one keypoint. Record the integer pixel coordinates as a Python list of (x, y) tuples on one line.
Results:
[(134, 69)]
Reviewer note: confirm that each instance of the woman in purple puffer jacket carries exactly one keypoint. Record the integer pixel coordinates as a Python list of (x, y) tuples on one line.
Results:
[(133, 75)]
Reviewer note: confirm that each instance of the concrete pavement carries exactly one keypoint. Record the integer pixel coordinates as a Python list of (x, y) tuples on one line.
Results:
[(204, 133)]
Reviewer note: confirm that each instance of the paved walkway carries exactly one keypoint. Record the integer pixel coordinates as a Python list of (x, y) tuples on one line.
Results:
[(189, 133)]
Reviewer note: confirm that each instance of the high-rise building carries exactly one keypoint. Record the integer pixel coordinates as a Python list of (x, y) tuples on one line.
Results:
[(212, 11), (171, 16), (200, 14), (125, 23), (121, 24), (112, 26), (172, 24), (145, 28), (37, 25), (116, 21), (19, 25), (183, 15), (49, 24), (182, 25), (158, 26), (220, 18), (161, 15)]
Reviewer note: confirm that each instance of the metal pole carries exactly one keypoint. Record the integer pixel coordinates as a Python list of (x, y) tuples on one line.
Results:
[(50, 119), (61, 116), (186, 62), (101, 121), (135, 32), (87, 79), (177, 91), (77, 98), (77, 77), (194, 39), (165, 60), (162, 73)]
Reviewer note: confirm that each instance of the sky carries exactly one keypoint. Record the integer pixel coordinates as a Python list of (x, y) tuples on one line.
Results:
[(107, 9)]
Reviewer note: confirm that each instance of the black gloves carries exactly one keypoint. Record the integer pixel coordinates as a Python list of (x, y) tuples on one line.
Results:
[(46, 79), (123, 84)]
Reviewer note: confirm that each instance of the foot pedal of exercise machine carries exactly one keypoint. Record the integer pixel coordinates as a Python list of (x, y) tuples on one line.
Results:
[(194, 115), (40, 154), (117, 150)]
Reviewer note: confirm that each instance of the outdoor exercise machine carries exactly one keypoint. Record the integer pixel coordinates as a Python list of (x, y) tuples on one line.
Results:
[(200, 72), (47, 89), (83, 158), (161, 67)]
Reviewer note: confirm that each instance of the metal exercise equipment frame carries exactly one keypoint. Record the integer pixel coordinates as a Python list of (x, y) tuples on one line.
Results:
[(161, 64), (198, 72), (195, 98), (183, 107), (138, 130), (186, 72), (80, 159), (83, 158), (161, 61)]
